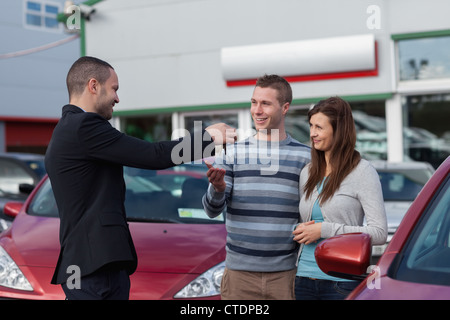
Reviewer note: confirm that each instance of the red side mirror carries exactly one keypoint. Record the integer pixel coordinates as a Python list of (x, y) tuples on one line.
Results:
[(12, 208), (345, 256)]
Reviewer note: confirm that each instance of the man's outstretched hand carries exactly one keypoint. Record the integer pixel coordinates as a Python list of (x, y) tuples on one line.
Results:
[(216, 177)]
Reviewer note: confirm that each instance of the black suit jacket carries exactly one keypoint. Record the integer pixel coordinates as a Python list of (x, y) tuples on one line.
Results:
[(84, 162)]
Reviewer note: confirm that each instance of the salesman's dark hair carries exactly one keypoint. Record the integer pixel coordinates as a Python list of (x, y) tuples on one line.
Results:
[(84, 69)]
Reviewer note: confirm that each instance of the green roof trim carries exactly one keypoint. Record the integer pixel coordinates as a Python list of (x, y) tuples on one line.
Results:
[(418, 35), (240, 105)]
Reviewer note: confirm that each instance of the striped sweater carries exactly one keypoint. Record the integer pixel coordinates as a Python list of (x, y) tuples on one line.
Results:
[(261, 200)]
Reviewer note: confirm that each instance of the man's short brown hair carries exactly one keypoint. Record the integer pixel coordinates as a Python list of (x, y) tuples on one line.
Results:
[(84, 69), (278, 83)]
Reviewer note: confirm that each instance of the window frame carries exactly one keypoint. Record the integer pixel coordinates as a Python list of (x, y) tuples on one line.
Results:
[(43, 14), (418, 86)]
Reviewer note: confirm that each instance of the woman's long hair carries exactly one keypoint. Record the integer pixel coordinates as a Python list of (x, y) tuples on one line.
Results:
[(343, 156)]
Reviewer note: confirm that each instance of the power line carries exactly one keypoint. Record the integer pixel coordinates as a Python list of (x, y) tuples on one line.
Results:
[(38, 49)]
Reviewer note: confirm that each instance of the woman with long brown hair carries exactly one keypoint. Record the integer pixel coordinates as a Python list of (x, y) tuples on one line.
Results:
[(338, 190)]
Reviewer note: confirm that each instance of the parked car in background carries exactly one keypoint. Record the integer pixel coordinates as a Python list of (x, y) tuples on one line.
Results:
[(19, 174), (181, 251), (401, 182), (416, 263)]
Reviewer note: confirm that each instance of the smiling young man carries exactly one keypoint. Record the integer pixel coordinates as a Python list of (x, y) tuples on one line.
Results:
[(261, 199), (268, 112)]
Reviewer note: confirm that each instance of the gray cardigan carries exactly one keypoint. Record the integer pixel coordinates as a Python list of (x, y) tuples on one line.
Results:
[(358, 196)]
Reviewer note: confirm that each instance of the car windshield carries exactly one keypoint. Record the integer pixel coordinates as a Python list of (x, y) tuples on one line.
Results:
[(13, 174), (37, 166), (402, 185), (426, 257), (173, 195)]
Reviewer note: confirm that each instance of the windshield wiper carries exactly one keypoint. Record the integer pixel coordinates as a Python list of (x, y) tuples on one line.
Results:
[(152, 219)]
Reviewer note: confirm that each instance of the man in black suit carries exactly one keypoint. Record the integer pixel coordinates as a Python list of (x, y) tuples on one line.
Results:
[(84, 161)]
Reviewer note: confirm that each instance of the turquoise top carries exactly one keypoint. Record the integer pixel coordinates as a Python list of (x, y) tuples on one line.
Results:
[(307, 266)]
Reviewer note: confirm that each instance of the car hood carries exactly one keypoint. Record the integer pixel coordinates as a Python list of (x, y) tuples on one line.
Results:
[(178, 248), (163, 248)]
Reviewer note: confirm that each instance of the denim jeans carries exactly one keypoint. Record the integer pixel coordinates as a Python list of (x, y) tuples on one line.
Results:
[(310, 289)]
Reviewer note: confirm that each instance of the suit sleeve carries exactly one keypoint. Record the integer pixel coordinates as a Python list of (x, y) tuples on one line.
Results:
[(103, 142)]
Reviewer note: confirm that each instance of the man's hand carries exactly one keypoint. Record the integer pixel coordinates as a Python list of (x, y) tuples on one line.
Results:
[(216, 177), (222, 133)]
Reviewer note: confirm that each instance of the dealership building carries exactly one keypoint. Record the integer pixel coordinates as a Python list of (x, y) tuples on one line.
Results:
[(184, 61), (36, 53)]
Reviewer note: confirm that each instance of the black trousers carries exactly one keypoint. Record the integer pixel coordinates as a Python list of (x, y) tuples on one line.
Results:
[(103, 284)]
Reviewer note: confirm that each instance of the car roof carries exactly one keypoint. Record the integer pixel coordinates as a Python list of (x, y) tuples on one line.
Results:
[(382, 164), (22, 156)]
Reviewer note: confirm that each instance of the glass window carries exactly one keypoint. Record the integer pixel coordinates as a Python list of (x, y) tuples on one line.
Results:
[(296, 123), (42, 15), (44, 203), (38, 166), (370, 122), (208, 119), (33, 6), (11, 176), (426, 130), (426, 257), (51, 23), (51, 9), (174, 195), (398, 186), (425, 58), (150, 128), (33, 19)]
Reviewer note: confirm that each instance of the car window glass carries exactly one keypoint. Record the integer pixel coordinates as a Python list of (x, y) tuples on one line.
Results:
[(399, 187), (11, 175), (43, 203), (426, 258), (37, 166), (171, 195)]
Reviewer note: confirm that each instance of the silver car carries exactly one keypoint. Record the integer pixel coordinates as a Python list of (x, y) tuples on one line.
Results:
[(19, 173), (401, 182)]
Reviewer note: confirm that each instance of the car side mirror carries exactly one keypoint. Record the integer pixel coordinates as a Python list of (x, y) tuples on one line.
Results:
[(12, 209), (26, 188), (345, 256)]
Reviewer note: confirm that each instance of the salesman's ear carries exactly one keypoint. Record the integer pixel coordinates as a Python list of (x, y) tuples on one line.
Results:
[(93, 86)]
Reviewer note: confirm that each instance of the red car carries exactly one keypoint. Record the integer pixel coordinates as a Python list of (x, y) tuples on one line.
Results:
[(181, 251), (416, 263)]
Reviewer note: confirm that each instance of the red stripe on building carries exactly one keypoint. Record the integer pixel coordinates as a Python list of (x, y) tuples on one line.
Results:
[(316, 77)]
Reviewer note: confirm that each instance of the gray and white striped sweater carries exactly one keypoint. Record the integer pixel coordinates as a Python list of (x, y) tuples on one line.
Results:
[(261, 199)]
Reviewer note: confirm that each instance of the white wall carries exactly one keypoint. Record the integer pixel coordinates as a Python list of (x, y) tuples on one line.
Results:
[(167, 53), (32, 85)]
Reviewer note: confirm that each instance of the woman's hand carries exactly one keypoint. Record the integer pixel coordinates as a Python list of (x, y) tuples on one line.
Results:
[(307, 232)]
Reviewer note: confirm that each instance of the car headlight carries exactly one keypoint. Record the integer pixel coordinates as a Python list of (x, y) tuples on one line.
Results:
[(10, 274), (205, 285), (4, 224)]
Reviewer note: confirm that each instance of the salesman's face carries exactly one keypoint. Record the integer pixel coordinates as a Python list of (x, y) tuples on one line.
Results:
[(108, 96)]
